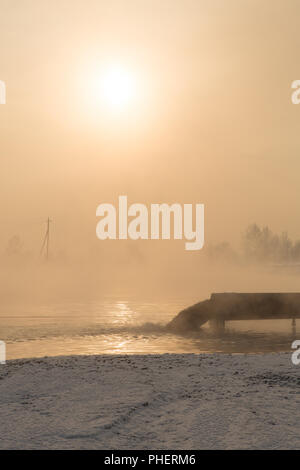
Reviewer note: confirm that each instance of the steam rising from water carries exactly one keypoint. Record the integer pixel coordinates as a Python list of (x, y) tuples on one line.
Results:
[(118, 328), (123, 301)]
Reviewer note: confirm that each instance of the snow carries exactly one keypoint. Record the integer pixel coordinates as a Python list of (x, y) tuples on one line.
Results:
[(178, 401)]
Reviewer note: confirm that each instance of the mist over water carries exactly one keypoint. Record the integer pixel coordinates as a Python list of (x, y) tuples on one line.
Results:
[(127, 326), (122, 301), (189, 143)]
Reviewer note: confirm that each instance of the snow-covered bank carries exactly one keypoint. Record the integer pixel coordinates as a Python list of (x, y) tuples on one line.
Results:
[(151, 402)]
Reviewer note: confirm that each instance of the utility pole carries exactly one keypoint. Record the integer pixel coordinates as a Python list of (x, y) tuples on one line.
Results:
[(46, 240)]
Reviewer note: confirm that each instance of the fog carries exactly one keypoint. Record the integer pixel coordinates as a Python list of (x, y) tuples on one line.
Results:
[(215, 125), (143, 268)]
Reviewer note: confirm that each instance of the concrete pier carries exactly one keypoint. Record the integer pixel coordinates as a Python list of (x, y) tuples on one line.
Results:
[(217, 325), (230, 306)]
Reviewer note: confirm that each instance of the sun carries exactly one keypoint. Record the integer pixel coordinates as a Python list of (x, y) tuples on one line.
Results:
[(116, 94), (117, 88)]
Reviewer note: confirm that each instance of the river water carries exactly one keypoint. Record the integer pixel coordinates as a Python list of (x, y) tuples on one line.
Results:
[(112, 325)]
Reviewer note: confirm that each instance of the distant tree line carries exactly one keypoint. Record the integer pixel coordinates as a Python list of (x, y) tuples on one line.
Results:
[(262, 245), (259, 245)]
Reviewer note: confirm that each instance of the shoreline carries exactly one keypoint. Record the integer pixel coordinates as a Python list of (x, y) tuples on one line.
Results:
[(177, 401), (150, 354)]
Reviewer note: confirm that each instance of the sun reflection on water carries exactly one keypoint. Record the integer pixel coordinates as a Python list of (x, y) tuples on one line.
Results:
[(122, 313)]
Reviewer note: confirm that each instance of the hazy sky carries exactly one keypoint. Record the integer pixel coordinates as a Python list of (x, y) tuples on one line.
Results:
[(214, 122)]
